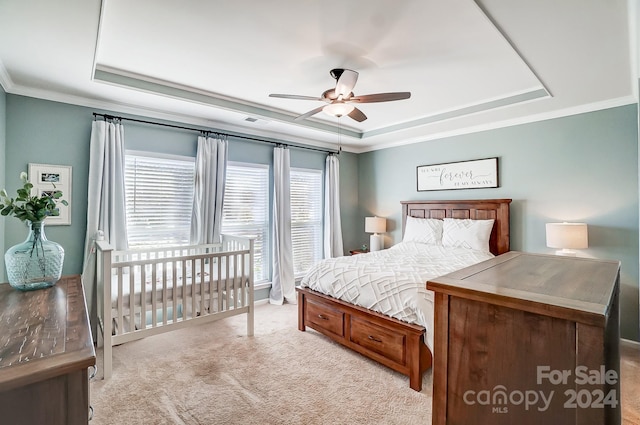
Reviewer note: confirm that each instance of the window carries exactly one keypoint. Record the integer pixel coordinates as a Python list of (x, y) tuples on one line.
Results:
[(159, 199), (246, 210), (306, 218)]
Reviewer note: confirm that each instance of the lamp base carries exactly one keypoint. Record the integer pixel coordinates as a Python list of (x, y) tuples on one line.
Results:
[(375, 242), (566, 253)]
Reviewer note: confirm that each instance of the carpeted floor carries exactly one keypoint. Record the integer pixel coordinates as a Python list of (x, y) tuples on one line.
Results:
[(215, 374)]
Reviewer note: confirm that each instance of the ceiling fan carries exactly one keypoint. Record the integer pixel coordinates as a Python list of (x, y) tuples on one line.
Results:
[(340, 99)]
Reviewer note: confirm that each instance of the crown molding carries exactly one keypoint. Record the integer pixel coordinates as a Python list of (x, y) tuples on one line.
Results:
[(170, 116), (5, 79), (559, 113), (146, 84)]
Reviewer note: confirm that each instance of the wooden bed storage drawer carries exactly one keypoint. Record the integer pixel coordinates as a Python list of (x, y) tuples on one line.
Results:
[(391, 342), (325, 317), (378, 339)]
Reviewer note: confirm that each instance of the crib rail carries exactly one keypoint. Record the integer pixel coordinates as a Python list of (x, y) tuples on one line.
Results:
[(145, 292)]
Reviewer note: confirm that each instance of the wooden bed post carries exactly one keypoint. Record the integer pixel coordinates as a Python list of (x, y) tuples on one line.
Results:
[(301, 303)]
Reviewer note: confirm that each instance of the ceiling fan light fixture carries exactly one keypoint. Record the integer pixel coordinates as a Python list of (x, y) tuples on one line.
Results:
[(339, 99), (338, 109)]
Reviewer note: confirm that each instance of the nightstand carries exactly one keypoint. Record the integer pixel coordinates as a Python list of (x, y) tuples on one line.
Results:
[(358, 251)]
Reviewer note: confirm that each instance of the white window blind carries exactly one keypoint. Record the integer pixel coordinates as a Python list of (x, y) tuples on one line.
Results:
[(246, 210), (306, 218), (159, 199)]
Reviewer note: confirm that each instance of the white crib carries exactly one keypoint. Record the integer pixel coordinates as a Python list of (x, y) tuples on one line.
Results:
[(147, 292)]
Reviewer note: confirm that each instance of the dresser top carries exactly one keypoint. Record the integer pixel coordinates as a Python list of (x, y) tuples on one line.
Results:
[(573, 288), (43, 333)]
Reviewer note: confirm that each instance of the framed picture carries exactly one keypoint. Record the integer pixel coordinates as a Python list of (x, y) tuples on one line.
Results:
[(47, 179), (474, 174)]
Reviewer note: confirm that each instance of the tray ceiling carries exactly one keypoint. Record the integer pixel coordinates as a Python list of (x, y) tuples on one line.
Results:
[(468, 65)]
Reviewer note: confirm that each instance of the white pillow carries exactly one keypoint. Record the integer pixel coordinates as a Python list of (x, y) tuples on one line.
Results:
[(467, 233), (423, 230)]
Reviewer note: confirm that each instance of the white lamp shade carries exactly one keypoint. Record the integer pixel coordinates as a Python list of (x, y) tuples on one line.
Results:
[(338, 109), (567, 235), (375, 224)]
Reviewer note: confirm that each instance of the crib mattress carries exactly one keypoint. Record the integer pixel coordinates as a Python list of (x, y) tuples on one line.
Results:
[(180, 287)]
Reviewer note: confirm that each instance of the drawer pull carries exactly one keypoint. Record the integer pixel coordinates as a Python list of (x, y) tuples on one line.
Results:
[(90, 412), (373, 338), (323, 317), (93, 372)]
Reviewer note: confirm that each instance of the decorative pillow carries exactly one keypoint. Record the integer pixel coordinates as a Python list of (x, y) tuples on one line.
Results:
[(423, 230), (467, 233)]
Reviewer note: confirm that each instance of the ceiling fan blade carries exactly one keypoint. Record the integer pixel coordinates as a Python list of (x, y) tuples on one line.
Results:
[(357, 115), (308, 114), (295, 96), (381, 97), (346, 82)]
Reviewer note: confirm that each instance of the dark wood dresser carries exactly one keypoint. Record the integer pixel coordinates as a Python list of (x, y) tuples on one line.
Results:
[(527, 339), (46, 349)]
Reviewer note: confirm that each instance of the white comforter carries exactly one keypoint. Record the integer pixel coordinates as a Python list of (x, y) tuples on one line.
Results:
[(392, 281)]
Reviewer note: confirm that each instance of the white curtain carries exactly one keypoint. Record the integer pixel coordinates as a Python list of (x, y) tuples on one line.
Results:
[(105, 201), (333, 246), (283, 282), (211, 169)]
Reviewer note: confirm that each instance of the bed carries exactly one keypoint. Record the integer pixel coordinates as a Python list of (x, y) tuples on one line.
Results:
[(151, 291), (401, 345)]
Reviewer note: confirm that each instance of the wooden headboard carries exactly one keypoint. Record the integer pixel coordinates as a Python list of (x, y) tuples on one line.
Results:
[(480, 209)]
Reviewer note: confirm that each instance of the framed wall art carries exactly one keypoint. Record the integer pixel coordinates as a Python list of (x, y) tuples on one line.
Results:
[(47, 178), (474, 174)]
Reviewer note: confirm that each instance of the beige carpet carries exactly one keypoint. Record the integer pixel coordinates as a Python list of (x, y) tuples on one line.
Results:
[(215, 374)]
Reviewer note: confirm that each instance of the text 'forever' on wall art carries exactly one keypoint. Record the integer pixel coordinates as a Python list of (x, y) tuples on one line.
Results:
[(475, 174)]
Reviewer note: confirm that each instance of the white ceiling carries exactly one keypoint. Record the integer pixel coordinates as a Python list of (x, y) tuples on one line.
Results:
[(469, 65)]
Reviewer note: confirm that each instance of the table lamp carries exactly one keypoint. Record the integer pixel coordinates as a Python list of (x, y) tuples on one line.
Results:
[(567, 237), (375, 225)]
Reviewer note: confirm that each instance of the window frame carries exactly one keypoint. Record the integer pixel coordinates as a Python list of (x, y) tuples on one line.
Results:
[(159, 156), (264, 248), (319, 222)]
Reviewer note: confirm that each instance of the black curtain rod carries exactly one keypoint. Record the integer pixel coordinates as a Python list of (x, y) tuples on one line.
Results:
[(111, 117)]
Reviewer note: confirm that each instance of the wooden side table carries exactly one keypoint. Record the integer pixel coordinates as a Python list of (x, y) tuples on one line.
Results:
[(45, 350), (527, 339)]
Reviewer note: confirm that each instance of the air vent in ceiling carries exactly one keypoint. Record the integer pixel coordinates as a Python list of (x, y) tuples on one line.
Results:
[(256, 121)]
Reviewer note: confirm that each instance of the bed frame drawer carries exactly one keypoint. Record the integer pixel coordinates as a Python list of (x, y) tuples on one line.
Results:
[(391, 342), (378, 339), (325, 317)]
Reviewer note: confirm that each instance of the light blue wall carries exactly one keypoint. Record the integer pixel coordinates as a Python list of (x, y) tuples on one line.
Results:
[(576, 168), (40, 131), (3, 125), (349, 209)]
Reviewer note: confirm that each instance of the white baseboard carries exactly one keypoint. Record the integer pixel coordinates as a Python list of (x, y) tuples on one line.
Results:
[(261, 302)]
